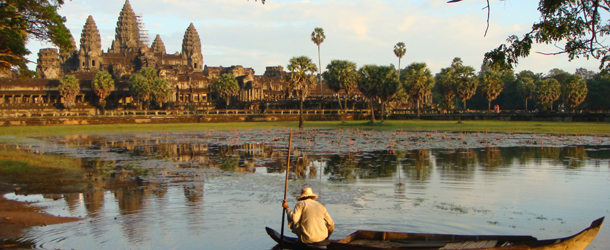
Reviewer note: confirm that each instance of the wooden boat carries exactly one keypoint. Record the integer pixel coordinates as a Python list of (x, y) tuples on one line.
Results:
[(371, 240), (294, 243)]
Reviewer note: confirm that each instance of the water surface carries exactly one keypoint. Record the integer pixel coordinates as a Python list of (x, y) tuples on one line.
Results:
[(218, 190)]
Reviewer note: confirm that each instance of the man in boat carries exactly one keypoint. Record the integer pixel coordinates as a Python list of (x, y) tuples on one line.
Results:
[(309, 221)]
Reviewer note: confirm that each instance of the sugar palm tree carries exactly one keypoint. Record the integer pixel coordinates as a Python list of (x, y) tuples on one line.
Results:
[(575, 91), (399, 51), (418, 82), (317, 37), (226, 86), (69, 87), (491, 86), (379, 83), (102, 84), (341, 75), (526, 86), (301, 79), (466, 81)]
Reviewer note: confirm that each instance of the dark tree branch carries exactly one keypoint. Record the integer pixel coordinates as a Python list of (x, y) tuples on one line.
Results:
[(488, 14)]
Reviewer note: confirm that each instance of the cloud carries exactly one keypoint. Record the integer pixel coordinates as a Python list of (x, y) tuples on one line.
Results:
[(248, 33)]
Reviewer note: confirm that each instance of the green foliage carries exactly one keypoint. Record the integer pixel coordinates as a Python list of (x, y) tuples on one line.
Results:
[(525, 85), (491, 86), (418, 82), (24, 20), (102, 85), (300, 79), (140, 88), (597, 97), (149, 73), (341, 75), (548, 91), (226, 86), (378, 82), (578, 25), (317, 36), (161, 91), (399, 51), (575, 91), (445, 81), (465, 80), (301, 75), (69, 88), (141, 85), (561, 76)]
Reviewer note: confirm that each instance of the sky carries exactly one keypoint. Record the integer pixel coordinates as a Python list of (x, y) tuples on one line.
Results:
[(248, 33)]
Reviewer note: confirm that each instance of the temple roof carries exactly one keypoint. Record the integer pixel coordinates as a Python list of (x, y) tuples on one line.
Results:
[(90, 37), (191, 45), (127, 37), (158, 46)]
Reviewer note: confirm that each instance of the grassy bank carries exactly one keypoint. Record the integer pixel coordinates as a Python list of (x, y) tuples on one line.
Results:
[(44, 173), (491, 126)]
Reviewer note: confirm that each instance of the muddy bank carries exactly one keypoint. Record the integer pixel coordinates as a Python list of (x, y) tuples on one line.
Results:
[(16, 216)]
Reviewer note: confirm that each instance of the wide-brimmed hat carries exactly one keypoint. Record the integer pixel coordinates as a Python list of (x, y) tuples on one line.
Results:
[(306, 193)]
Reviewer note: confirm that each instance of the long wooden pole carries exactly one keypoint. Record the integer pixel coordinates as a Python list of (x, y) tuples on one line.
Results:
[(285, 190)]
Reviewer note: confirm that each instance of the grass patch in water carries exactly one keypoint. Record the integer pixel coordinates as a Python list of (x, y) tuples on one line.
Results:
[(388, 125), (41, 173)]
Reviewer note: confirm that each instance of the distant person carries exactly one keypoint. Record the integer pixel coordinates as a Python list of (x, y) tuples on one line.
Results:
[(309, 221)]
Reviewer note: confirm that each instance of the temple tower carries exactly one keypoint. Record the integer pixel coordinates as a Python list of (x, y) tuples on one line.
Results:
[(68, 59), (158, 46), (90, 53), (48, 64), (191, 49), (127, 37)]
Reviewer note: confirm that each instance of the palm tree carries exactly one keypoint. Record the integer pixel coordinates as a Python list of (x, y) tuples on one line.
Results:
[(526, 86), (418, 82), (575, 91), (465, 80), (444, 81), (367, 85), (317, 36), (399, 51), (226, 86), (161, 92), (141, 85), (301, 79), (341, 75), (491, 86), (548, 91), (69, 88), (102, 85), (378, 82)]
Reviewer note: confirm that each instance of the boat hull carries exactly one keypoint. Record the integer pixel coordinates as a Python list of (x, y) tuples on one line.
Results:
[(375, 240), (294, 243)]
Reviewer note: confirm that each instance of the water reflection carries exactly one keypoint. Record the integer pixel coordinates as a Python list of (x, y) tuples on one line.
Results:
[(186, 189), (452, 164), (416, 164), (456, 164)]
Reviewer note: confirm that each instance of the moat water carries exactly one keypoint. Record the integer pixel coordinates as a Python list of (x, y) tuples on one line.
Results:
[(218, 190)]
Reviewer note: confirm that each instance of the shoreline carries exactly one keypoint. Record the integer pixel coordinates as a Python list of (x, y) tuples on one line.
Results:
[(16, 216)]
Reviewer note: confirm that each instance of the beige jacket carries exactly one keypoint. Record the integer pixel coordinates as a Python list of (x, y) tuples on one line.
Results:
[(310, 221)]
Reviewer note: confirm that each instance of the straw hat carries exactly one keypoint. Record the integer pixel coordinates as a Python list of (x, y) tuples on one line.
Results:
[(306, 193)]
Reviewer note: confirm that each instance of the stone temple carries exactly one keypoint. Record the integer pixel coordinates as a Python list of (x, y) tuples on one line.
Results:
[(189, 78)]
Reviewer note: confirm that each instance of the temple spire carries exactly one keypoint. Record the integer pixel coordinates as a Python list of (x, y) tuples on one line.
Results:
[(158, 46), (191, 48), (127, 35), (90, 52), (90, 39)]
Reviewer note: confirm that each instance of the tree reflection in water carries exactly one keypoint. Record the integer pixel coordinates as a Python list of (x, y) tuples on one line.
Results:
[(416, 164), (456, 164)]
